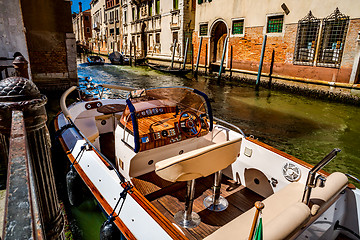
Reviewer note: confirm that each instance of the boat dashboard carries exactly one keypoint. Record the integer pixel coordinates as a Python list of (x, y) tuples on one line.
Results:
[(160, 124)]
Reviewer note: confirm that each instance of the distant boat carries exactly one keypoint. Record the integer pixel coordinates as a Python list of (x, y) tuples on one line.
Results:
[(166, 69), (118, 59), (95, 60)]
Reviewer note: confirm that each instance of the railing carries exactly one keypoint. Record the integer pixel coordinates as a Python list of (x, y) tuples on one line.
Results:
[(22, 219)]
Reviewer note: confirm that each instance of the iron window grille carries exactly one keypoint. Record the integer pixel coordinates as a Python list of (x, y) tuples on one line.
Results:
[(203, 29), (307, 34), (332, 40), (275, 24), (238, 27)]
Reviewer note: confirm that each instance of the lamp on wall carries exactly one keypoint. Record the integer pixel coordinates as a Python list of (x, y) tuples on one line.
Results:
[(285, 8)]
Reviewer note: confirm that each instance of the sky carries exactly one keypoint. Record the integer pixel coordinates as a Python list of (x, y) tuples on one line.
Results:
[(75, 5)]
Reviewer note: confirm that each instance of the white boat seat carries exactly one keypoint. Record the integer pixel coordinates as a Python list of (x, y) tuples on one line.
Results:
[(200, 162), (88, 127), (334, 184), (284, 213)]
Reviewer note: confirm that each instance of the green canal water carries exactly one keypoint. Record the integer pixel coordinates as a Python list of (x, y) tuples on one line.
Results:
[(304, 127)]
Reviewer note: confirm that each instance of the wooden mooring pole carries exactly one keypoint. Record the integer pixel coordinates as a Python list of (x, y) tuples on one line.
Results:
[(198, 57), (173, 54), (223, 57), (231, 60), (206, 56), (261, 63), (135, 51), (130, 53), (185, 53), (271, 67)]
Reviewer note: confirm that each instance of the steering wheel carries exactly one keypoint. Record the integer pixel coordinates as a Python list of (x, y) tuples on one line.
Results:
[(189, 123)]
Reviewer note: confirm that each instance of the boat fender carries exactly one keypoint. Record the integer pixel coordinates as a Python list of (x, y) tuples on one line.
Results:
[(72, 186), (109, 231)]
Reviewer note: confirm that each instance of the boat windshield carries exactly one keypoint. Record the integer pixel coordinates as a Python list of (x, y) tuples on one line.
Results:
[(146, 105)]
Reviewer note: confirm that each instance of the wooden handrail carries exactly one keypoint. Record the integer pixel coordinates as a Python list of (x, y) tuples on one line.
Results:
[(259, 206)]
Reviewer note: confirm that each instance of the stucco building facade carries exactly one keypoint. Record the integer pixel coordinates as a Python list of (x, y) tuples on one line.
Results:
[(311, 40), (112, 20), (98, 43), (82, 27), (154, 25)]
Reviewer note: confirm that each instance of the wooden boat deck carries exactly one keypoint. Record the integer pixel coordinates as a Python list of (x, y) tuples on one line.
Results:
[(169, 198)]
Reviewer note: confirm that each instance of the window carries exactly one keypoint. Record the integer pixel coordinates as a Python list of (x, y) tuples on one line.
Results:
[(275, 24), (133, 14), (307, 34), (157, 38), (111, 31), (150, 7), (175, 36), (137, 12), (86, 18), (332, 40), (203, 29), (117, 31), (157, 6), (238, 27), (116, 15), (175, 4), (88, 30), (125, 16), (323, 48)]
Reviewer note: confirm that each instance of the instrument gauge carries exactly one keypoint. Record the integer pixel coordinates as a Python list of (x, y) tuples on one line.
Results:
[(164, 133), (161, 110), (155, 111), (148, 111)]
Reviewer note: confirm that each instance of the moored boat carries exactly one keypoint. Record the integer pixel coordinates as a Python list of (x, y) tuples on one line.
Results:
[(166, 69), (162, 167), (95, 60), (117, 58)]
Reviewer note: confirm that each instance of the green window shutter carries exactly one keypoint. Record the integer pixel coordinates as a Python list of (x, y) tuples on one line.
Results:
[(200, 1)]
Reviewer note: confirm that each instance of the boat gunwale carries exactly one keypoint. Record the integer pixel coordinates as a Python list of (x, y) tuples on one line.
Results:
[(159, 218)]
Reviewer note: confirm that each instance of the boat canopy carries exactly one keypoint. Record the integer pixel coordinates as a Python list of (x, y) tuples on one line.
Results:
[(182, 98)]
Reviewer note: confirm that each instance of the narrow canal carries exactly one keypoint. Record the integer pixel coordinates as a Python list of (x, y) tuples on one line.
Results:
[(305, 128)]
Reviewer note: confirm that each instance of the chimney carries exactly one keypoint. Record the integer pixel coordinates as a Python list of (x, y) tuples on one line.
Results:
[(80, 7)]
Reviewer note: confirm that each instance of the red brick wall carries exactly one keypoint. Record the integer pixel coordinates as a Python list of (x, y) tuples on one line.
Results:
[(247, 52)]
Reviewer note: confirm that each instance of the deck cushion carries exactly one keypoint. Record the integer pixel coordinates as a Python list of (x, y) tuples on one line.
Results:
[(200, 162), (335, 183), (88, 127), (283, 214)]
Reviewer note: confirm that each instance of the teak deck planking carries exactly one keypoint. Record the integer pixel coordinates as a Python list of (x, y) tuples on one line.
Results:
[(169, 198)]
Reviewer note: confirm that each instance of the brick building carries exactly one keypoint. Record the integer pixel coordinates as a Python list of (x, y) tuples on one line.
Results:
[(112, 20), (82, 27), (98, 42), (313, 41), (48, 43), (153, 25)]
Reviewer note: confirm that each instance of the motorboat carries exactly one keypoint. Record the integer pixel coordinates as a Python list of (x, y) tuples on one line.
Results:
[(95, 60), (161, 166), (118, 58)]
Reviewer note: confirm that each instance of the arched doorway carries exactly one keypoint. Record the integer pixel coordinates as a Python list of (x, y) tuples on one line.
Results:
[(218, 36), (143, 41)]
